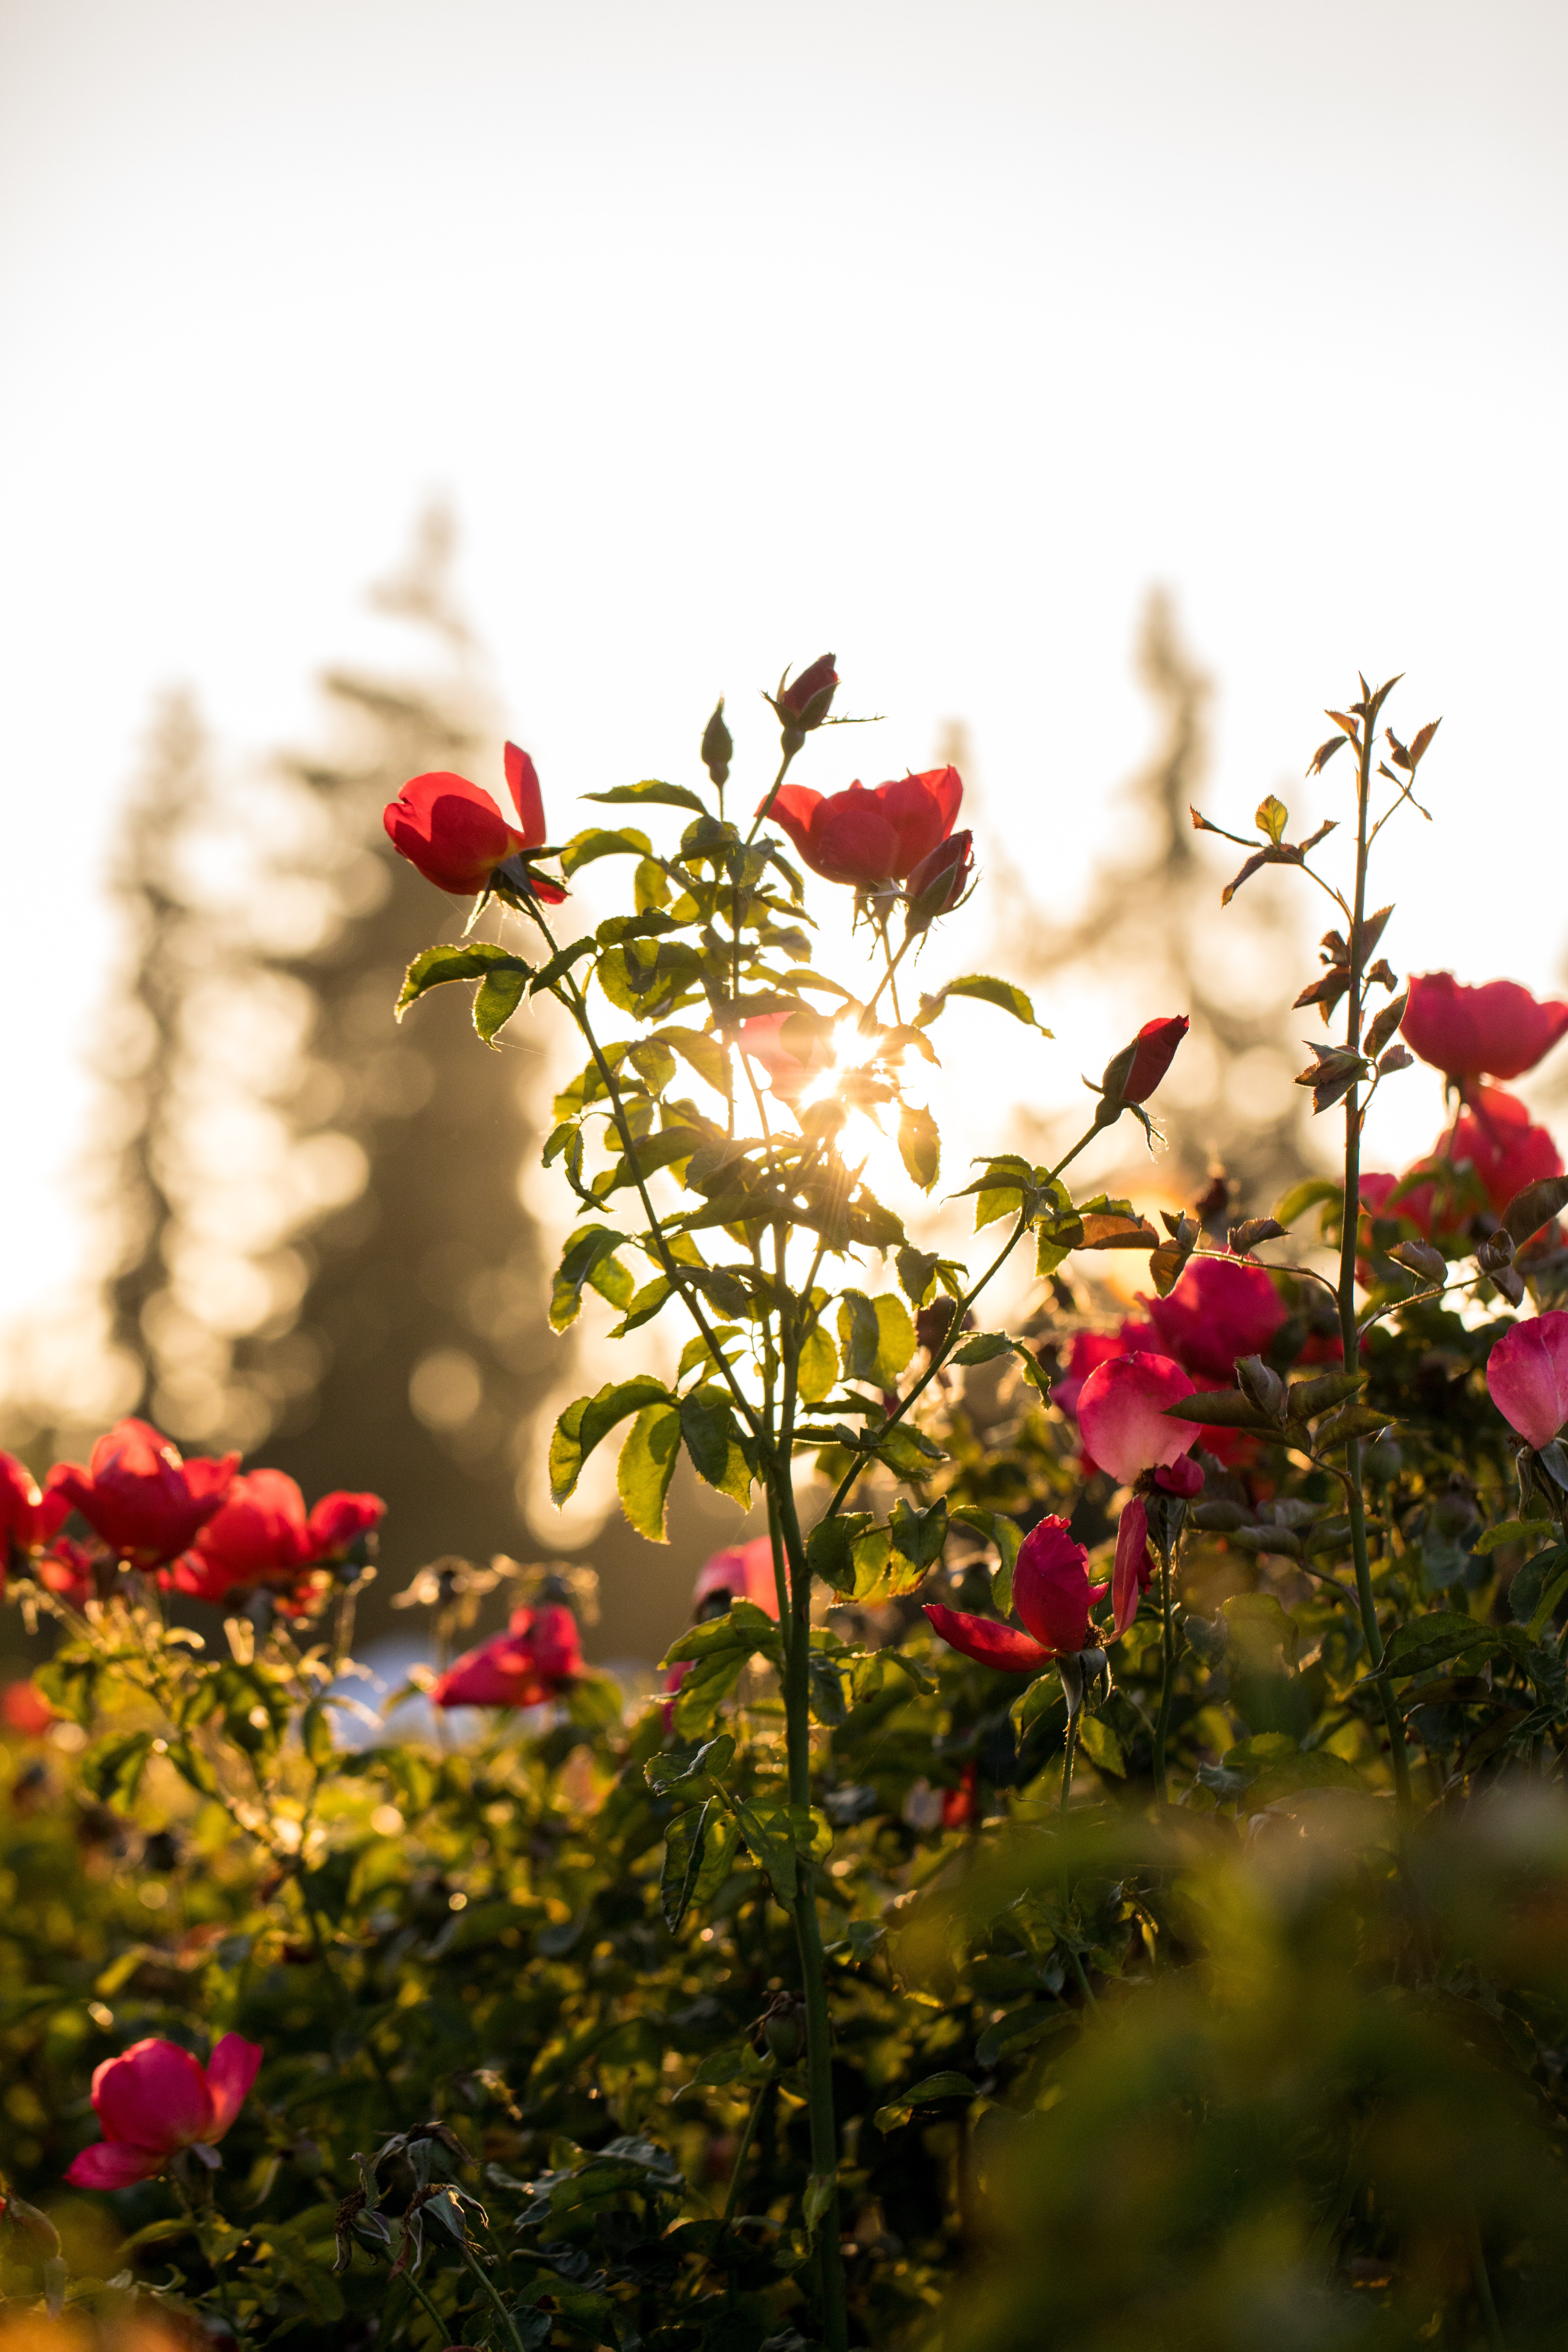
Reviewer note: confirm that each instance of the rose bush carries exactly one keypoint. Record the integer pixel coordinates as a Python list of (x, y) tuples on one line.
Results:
[(954, 1951)]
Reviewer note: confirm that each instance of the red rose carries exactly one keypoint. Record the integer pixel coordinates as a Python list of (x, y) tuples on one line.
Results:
[(155, 2099), (1218, 1312), (1052, 1594), (1498, 1032), (1527, 1373), (535, 1657), (740, 1572), (1495, 1134), (28, 1518), (869, 838), (1122, 1413), (262, 1535), (145, 1502), (456, 836)]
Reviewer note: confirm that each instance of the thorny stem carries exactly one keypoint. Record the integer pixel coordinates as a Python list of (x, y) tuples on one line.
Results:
[(1068, 1753), (490, 2287), (1349, 1335)]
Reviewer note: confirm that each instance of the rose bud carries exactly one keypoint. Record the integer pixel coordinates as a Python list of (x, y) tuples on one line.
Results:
[(717, 745), (1499, 1031), (155, 2099), (803, 703), (1132, 1076), (939, 882), (1527, 1373)]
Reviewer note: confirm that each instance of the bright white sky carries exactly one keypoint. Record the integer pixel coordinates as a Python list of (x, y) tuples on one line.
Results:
[(931, 333)]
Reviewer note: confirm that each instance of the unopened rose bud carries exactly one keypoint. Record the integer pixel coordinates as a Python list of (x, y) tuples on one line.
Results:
[(717, 745), (803, 703), (939, 882), (1381, 1460), (1182, 1477), (783, 2027), (1262, 1384), (1132, 1076)]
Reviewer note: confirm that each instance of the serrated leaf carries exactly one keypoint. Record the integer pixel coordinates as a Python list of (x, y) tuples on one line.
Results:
[(769, 1840), (917, 1274), (469, 960), (1534, 1207), (709, 1430), (652, 793), (683, 1841), (1386, 1023), (983, 1348), (817, 1366), (986, 990), (587, 1258), (596, 842), (705, 1053), (646, 1469), (1102, 1746), (1309, 1193), (1427, 1641), (920, 1145), (496, 999)]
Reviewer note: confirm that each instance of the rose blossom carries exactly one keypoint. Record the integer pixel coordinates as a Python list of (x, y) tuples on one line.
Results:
[(1527, 1373), (155, 2099), (1052, 1594), (1499, 1031), (454, 834), (866, 837), (137, 1493), (536, 1657)]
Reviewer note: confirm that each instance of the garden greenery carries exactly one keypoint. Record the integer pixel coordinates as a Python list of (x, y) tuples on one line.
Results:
[(1183, 1963)]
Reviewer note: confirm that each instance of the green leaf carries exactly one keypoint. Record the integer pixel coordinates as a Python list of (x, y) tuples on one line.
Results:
[(875, 1337), (705, 1053), (650, 791), (496, 999), (770, 1839), (983, 1348), (917, 1274), (712, 1439), (646, 1469), (1102, 1746), (981, 984), (720, 1844), (111, 1768), (1006, 1535), (587, 1254), (1272, 817), (587, 1420), (1021, 2030), (584, 847), (1308, 1194), (948, 2084), (687, 1779), (560, 964), (470, 960), (920, 1145), (919, 1534), (1441, 1634), (1538, 1587), (683, 1841), (818, 1368)]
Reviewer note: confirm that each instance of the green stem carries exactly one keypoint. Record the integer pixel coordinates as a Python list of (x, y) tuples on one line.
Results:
[(1167, 1675), (743, 2152), (490, 2287), (1349, 1335), (1068, 1753), (443, 2332), (1082, 1975), (1482, 2281)]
